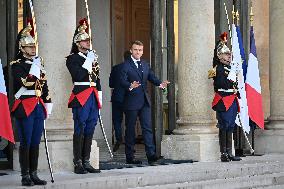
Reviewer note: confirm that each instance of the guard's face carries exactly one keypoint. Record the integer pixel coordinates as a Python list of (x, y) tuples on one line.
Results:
[(136, 51), (85, 44), (29, 51), (225, 58)]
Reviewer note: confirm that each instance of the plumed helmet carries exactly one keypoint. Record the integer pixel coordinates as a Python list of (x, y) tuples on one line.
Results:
[(81, 33), (222, 48), (26, 38)]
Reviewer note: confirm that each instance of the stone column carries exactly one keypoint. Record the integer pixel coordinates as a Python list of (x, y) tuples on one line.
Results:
[(56, 23), (271, 139), (261, 34), (196, 136)]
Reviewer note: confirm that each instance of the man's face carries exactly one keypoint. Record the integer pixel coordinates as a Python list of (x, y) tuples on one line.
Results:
[(29, 51), (85, 44), (225, 58), (136, 51)]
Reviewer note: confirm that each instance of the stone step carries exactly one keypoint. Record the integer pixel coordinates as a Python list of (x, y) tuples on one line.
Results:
[(270, 187), (163, 175), (267, 181)]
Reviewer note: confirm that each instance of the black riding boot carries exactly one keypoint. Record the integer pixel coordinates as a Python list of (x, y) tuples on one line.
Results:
[(24, 164), (86, 155), (77, 153), (34, 152), (222, 142), (229, 148)]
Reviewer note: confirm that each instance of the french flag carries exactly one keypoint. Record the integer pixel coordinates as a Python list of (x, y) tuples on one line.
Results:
[(6, 130), (253, 88)]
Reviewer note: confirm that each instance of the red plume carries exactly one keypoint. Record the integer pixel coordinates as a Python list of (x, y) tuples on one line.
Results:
[(30, 20), (224, 37), (82, 21)]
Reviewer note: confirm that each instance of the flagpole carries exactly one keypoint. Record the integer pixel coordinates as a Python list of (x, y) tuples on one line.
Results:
[(251, 15), (89, 23), (228, 22), (34, 25)]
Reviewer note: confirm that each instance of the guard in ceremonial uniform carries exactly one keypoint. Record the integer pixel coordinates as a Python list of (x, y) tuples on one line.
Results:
[(32, 104), (225, 102), (86, 97)]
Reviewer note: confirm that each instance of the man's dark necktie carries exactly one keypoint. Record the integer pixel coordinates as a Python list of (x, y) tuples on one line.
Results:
[(140, 66)]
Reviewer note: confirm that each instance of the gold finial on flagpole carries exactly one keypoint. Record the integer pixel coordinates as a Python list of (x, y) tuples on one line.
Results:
[(238, 17), (233, 13), (251, 15)]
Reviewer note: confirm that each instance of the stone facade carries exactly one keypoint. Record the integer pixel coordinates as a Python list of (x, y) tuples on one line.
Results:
[(196, 135)]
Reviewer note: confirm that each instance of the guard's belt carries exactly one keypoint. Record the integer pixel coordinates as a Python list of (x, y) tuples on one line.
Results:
[(93, 84), (227, 90), (24, 91)]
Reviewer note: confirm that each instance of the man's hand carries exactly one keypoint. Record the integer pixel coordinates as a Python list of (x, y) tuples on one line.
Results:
[(164, 84), (134, 85), (37, 61), (88, 64), (35, 68), (91, 55), (48, 107)]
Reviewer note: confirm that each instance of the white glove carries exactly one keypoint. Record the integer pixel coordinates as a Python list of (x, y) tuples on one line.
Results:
[(88, 64), (48, 107), (91, 55), (35, 68), (232, 75), (37, 61), (100, 93)]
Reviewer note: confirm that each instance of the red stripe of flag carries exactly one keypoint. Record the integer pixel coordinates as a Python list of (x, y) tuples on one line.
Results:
[(254, 100), (6, 130)]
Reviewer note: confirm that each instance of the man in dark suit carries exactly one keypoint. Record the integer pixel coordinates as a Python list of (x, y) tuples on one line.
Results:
[(117, 98), (134, 76)]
